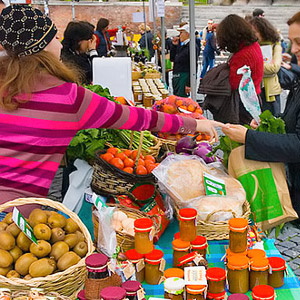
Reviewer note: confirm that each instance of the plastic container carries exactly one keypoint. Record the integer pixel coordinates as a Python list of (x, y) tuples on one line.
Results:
[(276, 274), (238, 297), (263, 292), (174, 288), (238, 274), (174, 272), (96, 265), (195, 292), (137, 260), (187, 224), (238, 234), (219, 296), (216, 278), (131, 287), (112, 293), (256, 253), (81, 295), (259, 269), (200, 245), (143, 239), (180, 248), (153, 270)]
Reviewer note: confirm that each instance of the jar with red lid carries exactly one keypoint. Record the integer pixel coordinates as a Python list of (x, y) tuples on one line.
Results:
[(153, 266), (195, 292), (238, 230), (192, 259), (174, 288), (131, 287), (200, 245), (96, 265), (187, 224), (174, 272), (276, 274), (219, 296), (238, 297), (81, 295), (137, 260), (262, 292), (180, 248), (112, 293), (256, 253), (143, 239), (216, 278), (259, 270)]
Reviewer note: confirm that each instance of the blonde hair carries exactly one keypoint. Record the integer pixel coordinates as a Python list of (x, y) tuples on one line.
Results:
[(19, 74), (142, 27)]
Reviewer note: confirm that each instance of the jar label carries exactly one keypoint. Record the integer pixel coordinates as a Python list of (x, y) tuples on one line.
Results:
[(195, 275), (162, 265), (140, 294), (111, 267), (140, 265), (140, 97), (129, 270), (197, 259), (151, 234), (162, 279)]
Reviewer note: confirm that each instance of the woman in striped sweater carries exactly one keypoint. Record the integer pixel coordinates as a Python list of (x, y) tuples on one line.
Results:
[(42, 107)]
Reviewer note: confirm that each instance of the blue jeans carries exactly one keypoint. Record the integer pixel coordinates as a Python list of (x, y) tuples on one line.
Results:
[(207, 62)]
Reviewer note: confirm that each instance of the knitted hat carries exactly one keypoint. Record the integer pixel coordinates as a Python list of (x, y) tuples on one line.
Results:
[(25, 30)]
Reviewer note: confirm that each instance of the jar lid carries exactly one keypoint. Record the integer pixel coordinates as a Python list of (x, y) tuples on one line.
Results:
[(277, 263), (215, 274), (187, 214), (263, 292), (173, 285), (177, 235), (259, 264), (143, 225), (187, 258), (238, 297), (131, 286), (195, 289), (113, 293), (81, 295), (218, 296), (154, 257), (132, 254), (174, 272), (238, 224), (180, 245), (238, 262), (199, 242), (96, 260), (230, 253), (256, 253)]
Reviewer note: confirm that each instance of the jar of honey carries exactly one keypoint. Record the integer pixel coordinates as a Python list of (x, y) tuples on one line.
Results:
[(216, 278), (238, 274), (174, 288), (256, 253), (148, 100), (238, 234), (192, 259), (143, 239), (112, 293), (180, 248), (200, 245), (259, 269), (131, 287), (219, 296), (238, 297), (187, 224), (174, 272), (276, 274), (81, 295), (153, 266), (230, 253), (195, 292), (262, 292), (138, 96), (96, 265), (137, 260)]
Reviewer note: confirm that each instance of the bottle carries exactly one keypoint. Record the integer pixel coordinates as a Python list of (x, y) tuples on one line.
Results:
[(143, 239), (96, 265), (256, 253), (174, 288), (276, 274), (259, 269), (216, 280), (131, 287), (137, 260), (262, 292), (180, 248), (187, 224), (195, 292), (238, 234), (153, 268), (200, 245)]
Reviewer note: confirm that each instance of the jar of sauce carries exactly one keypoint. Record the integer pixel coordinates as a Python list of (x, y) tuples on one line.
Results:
[(137, 260), (219, 296), (187, 224), (143, 239), (276, 274), (180, 248), (259, 269), (81, 295), (216, 278), (200, 245), (256, 253), (238, 234), (238, 297), (238, 274), (174, 288), (96, 265), (113, 293), (230, 253), (131, 287), (195, 292), (153, 268), (174, 272), (262, 292)]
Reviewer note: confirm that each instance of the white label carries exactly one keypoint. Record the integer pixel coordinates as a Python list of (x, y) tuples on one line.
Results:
[(140, 97), (141, 294), (160, 7), (162, 265), (140, 265), (151, 234), (195, 275), (128, 270), (197, 259), (162, 279)]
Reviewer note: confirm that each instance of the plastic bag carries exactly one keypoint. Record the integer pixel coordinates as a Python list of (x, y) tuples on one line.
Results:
[(181, 177)]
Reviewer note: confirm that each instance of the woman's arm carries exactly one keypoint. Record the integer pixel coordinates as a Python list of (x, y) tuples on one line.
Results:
[(274, 66)]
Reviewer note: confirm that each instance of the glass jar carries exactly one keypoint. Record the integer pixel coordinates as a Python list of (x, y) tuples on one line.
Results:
[(238, 234), (195, 292), (180, 248), (187, 224), (5, 294), (238, 274), (143, 238), (192, 259), (96, 265), (81, 295), (259, 269), (138, 96), (131, 287), (174, 272), (148, 100), (112, 293), (262, 292), (219, 296), (238, 297), (200, 245), (230, 253), (137, 260), (216, 278), (256, 253), (174, 288), (276, 274), (153, 268)]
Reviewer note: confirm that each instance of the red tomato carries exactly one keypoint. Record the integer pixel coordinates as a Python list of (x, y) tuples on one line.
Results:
[(117, 162), (141, 170), (128, 170), (150, 157), (107, 157), (121, 155), (113, 150)]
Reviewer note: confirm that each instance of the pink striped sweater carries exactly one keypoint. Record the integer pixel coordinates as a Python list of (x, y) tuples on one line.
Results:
[(34, 138)]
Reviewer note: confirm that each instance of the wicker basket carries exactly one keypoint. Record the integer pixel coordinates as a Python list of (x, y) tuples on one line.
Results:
[(217, 230), (125, 241), (152, 75), (66, 283)]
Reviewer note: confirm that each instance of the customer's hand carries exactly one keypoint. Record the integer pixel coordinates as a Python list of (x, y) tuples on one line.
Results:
[(286, 65), (286, 57), (235, 132), (208, 127), (253, 124)]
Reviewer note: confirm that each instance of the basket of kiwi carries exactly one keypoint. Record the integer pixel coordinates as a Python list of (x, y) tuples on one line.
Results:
[(56, 263)]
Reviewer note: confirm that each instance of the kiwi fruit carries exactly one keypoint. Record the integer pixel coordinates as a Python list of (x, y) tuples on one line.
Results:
[(56, 220), (67, 260), (27, 277), (41, 249), (5, 259), (71, 239), (59, 249), (37, 216), (16, 252), (23, 263), (13, 274), (42, 267), (4, 271), (23, 242), (13, 229), (42, 232), (57, 234), (81, 249), (3, 226), (71, 226), (8, 218), (80, 236), (7, 240)]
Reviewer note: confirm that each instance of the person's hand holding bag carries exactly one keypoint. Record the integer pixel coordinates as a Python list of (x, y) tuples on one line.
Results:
[(209, 127)]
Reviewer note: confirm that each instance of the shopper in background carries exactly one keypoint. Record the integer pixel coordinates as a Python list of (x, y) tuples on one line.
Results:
[(150, 37), (103, 44), (258, 12), (205, 30)]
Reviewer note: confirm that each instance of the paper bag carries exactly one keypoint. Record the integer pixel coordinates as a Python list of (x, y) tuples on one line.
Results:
[(266, 189)]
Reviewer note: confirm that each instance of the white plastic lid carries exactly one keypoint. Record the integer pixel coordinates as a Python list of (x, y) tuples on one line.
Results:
[(173, 285)]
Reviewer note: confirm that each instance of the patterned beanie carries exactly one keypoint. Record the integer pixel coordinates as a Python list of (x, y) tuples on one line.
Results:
[(25, 30)]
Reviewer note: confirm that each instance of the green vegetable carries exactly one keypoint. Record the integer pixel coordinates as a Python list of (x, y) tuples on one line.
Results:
[(98, 89)]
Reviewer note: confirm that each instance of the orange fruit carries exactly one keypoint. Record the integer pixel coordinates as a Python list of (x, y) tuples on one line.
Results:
[(199, 137), (128, 152), (199, 110), (152, 167), (179, 102), (150, 157), (128, 170), (169, 109), (117, 162), (171, 99), (121, 155), (113, 150), (128, 162), (141, 170), (205, 137), (141, 162), (122, 100), (191, 108), (183, 107), (107, 157)]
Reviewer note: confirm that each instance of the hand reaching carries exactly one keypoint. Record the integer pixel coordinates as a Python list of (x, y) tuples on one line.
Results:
[(208, 127), (235, 132)]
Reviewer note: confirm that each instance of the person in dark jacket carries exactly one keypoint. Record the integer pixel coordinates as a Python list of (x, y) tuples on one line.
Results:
[(271, 147), (103, 40), (150, 38), (79, 48), (180, 55)]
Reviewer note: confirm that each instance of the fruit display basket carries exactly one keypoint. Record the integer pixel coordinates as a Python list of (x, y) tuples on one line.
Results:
[(66, 283)]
